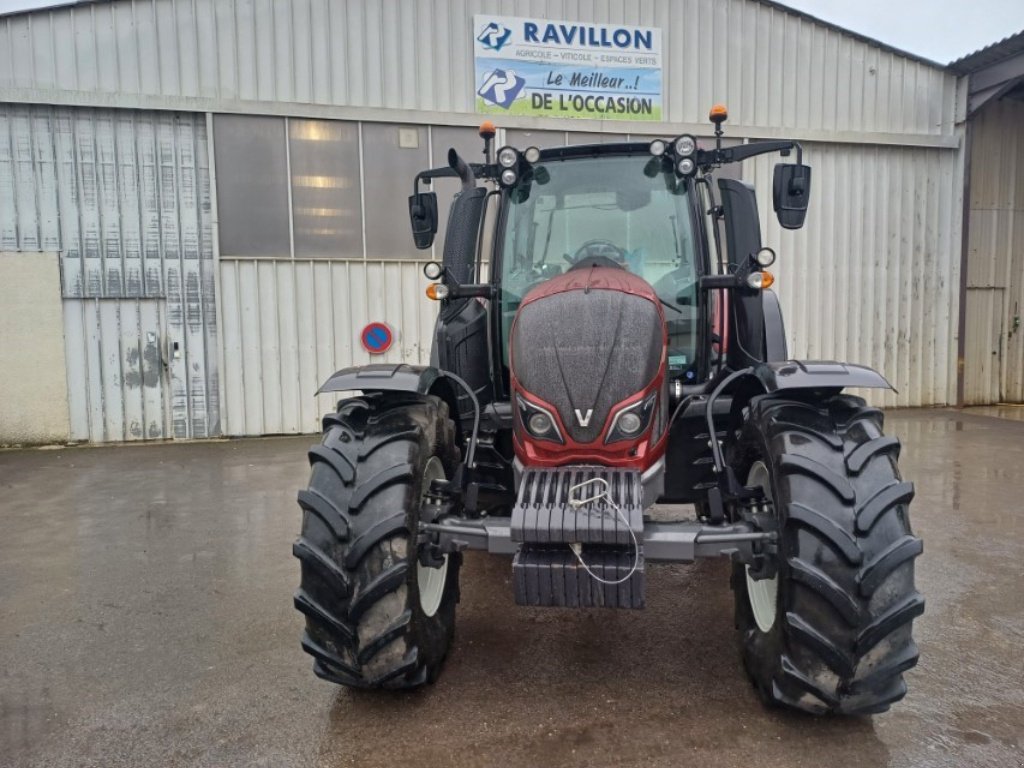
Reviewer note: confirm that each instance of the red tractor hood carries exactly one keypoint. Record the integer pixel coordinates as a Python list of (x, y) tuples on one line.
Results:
[(586, 347)]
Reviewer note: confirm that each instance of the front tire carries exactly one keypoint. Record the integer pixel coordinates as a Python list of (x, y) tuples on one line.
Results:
[(375, 617), (833, 634)]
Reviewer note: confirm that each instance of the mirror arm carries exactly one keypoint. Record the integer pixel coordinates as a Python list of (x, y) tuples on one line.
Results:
[(713, 157), (479, 170), (471, 290)]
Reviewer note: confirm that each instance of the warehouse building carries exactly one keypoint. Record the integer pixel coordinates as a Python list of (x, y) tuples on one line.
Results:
[(202, 202)]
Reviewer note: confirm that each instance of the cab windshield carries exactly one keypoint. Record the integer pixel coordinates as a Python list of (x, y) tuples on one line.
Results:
[(623, 208)]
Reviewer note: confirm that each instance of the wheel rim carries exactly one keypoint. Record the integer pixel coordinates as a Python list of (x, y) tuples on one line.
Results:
[(431, 581), (763, 593)]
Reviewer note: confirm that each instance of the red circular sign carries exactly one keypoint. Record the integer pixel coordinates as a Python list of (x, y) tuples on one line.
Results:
[(377, 338)]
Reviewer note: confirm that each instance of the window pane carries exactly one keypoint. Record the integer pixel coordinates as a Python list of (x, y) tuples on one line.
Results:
[(252, 196), (325, 189), (392, 156)]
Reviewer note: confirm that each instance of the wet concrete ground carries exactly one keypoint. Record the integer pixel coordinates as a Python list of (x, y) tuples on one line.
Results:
[(146, 620)]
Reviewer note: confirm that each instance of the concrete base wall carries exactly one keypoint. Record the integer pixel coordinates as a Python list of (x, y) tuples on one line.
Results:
[(33, 378)]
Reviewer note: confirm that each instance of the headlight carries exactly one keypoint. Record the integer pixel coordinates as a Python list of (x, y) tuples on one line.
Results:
[(508, 177), (539, 422), (631, 421), (686, 166), (686, 145), (507, 157)]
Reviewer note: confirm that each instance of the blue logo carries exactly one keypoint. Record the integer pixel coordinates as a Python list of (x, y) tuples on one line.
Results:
[(494, 36), (501, 88)]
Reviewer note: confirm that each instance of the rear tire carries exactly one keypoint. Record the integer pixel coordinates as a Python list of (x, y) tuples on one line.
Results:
[(840, 638), (375, 618)]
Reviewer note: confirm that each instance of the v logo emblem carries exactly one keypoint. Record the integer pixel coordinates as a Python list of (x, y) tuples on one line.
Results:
[(584, 418)]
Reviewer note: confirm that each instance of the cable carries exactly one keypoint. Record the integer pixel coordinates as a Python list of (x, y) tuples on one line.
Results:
[(577, 547)]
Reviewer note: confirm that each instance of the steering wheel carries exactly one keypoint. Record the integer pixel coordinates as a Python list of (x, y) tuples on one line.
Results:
[(602, 249)]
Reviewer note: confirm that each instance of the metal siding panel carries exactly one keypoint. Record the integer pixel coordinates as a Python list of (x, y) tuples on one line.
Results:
[(984, 333), (227, 47), (20, 51), (268, 305), (75, 357), (251, 337), (130, 370), (288, 364), (149, 205), (72, 283), (874, 277), (88, 204), (308, 333), (109, 365), (109, 207), (289, 325), (188, 47), (127, 46), (207, 62), (46, 180), (108, 66), (154, 411), (320, 64), (130, 221), (24, 180), (995, 255), (233, 408), (8, 189)]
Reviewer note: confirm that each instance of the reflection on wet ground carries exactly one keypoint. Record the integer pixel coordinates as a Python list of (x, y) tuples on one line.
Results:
[(146, 619)]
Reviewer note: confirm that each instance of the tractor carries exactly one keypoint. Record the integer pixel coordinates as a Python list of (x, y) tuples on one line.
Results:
[(607, 340)]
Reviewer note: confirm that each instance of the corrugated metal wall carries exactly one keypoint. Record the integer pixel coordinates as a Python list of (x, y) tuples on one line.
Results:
[(124, 197), (288, 325), (873, 277), (994, 360), (773, 67)]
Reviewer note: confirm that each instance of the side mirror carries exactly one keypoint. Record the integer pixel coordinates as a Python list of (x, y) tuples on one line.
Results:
[(423, 217), (791, 193)]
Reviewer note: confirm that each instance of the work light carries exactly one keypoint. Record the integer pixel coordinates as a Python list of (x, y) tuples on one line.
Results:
[(686, 145), (508, 157)]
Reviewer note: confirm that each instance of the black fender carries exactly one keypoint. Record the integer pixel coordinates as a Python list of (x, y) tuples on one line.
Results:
[(817, 374), (416, 379), (797, 375)]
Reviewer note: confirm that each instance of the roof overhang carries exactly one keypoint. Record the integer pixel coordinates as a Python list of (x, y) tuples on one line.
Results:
[(993, 73)]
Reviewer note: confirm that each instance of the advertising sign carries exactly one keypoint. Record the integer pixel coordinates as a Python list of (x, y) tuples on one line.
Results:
[(538, 67)]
